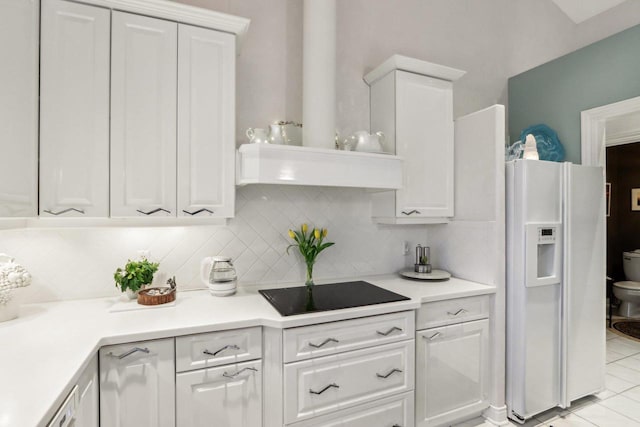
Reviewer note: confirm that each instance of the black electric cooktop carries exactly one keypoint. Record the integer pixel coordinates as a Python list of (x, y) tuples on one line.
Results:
[(334, 296)]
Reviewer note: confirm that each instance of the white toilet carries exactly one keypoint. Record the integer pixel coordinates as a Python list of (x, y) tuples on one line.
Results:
[(628, 291)]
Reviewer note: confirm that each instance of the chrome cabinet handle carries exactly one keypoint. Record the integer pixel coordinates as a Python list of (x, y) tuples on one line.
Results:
[(151, 212), (391, 372), (198, 211), (384, 334), (226, 347), (235, 374), (457, 313), (411, 212), (64, 211), (332, 385), (130, 352), (433, 337), (328, 340)]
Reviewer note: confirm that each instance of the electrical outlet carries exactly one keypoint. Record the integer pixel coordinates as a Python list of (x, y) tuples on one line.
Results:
[(405, 248), (143, 253)]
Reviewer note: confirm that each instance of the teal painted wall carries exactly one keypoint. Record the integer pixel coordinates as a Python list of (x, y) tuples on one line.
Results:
[(556, 92)]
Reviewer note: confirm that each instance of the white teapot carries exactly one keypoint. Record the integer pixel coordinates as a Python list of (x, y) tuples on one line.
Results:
[(257, 136), (364, 141)]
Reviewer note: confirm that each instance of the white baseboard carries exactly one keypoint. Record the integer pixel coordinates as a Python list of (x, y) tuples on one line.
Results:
[(496, 415)]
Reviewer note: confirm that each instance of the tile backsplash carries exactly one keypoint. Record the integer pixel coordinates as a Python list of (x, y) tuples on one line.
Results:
[(70, 263)]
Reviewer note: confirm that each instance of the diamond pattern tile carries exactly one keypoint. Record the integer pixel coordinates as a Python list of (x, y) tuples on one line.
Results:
[(71, 263)]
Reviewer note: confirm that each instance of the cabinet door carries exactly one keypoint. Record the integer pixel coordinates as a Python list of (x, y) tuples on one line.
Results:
[(424, 138), (74, 110), (227, 396), (87, 411), (19, 22), (143, 116), (452, 372), (137, 384), (206, 122)]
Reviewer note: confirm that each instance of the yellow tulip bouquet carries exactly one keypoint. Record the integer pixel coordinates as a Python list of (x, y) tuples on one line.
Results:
[(310, 244)]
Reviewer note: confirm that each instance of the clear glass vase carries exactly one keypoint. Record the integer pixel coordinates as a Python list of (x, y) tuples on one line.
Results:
[(309, 281)]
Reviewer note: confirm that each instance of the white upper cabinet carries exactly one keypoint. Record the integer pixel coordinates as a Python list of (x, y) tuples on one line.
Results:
[(143, 116), (206, 122), (74, 110), (412, 103), (19, 21)]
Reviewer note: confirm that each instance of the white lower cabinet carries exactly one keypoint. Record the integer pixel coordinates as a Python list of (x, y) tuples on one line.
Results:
[(452, 365), (356, 373), (226, 396), (318, 386), (88, 410), (395, 411), (213, 382), (137, 384), (228, 391), (80, 408)]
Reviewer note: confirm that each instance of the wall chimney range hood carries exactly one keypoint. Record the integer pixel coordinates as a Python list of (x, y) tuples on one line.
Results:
[(317, 163), (291, 165)]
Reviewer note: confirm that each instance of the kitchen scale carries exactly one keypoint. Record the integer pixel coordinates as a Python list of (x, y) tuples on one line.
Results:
[(333, 296)]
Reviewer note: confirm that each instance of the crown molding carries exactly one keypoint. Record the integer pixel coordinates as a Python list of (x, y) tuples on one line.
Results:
[(181, 13)]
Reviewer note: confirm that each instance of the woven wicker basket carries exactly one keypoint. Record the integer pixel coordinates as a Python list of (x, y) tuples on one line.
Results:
[(145, 299)]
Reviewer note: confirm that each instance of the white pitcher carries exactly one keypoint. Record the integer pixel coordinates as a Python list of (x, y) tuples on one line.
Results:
[(276, 135)]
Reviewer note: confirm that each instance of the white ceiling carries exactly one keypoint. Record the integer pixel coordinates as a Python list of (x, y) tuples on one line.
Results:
[(581, 10)]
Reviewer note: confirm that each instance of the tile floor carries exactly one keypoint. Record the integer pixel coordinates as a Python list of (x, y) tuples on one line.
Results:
[(617, 406)]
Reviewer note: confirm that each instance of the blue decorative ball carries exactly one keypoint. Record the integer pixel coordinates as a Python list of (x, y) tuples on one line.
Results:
[(549, 146)]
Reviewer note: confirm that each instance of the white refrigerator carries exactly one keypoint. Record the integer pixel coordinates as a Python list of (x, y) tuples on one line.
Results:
[(555, 285)]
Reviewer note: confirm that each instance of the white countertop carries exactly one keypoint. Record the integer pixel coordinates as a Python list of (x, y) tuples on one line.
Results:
[(47, 347)]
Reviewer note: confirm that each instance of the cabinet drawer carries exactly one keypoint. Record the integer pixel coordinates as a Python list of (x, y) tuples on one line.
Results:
[(393, 411), (452, 311), (225, 396), (330, 338), (218, 348), (319, 386)]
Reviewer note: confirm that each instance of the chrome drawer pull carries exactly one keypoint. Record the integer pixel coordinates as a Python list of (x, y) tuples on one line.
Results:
[(226, 347), (457, 313), (433, 337), (198, 211), (328, 340), (130, 352), (151, 212), (64, 211), (332, 385), (391, 372), (384, 334), (411, 212), (235, 374)]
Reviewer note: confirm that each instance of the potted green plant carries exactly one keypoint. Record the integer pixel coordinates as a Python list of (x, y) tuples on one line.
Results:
[(134, 276)]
